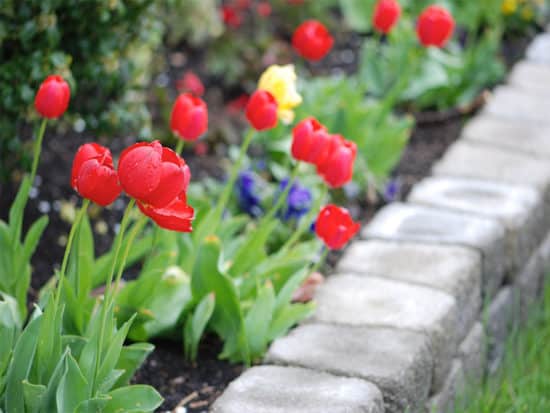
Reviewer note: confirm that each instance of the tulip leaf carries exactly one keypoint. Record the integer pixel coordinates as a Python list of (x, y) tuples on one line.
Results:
[(131, 357), (258, 320), (33, 395), (288, 317), (196, 324), (133, 399), (32, 237), (227, 319), (73, 387)]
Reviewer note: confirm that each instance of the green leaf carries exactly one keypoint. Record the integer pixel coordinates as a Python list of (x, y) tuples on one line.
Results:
[(17, 209), (131, 357), (73, 387), (133, 399), (259, 319), (227, 319), (20, 366), (288, 317), (33, 395), (33, 237), (196, 324)]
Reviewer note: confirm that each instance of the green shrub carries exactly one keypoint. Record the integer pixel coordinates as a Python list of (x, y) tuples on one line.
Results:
[(102, 47)]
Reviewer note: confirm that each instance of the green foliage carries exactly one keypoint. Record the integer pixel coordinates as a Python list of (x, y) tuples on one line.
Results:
[(102, 47), (15, 252), (50, 371)]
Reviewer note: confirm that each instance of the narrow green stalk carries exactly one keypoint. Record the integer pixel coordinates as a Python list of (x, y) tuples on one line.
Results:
[(305, 222), (321, 260), (38, 148), (138, 226), (68, 247), (179, 146), (282, 197), (108, 286), (226, 194)]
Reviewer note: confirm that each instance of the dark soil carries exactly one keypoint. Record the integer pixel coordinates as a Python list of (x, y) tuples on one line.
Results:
[(196, 386)]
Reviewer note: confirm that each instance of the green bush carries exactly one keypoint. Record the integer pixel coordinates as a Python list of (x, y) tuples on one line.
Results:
[(102, 47)]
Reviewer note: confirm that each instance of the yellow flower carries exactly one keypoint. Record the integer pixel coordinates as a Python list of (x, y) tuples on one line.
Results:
[(509, 6), (280, 81), (527, 13)]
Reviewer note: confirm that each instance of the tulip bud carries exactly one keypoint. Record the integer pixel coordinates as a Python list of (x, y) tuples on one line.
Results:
[(52, 98), (335, 226), (152, 174), (93, 175), (386, 14), (312, 40), (189, 118), (310, 141), (190, 82), (261, 110), (435, 26), (337, 168)]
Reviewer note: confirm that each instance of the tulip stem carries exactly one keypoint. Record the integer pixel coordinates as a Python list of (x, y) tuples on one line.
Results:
[(68, 247), (179, 146), (283, 197), (138, 226), (107, 293), (321, 260), (37, 148), (226, 194), (305, 222)]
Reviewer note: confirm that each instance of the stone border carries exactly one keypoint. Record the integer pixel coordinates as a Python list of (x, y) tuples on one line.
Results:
[(424, 303)]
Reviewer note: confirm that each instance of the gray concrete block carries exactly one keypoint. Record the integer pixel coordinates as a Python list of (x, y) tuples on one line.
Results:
[(372, 301), (500, 319), (520, 209), (405, 222), (398, 362), (539, 50), (473, 354), (519, 136), (272, 389), (446, 400), (529, 284), (515, 103), (455, 270), (532, 77)]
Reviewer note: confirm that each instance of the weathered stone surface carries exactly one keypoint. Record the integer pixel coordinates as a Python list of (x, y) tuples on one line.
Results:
[(501, 317), (529, 284), (470, 160), (544, 254), (515, 103), (473, 354), (373, 301), (445, 401), (519, 209), (539, 49), (272, 389), (532, 77), (514, 135), (455, 270), (398, 362), (405, 222)]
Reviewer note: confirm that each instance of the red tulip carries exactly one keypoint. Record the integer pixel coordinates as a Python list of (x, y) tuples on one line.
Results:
[(263, 9), (93, 175), (335, 226), (435, 26), (189, 118), (153, 174), (310, 141), (190, 82), (312, 40), (386, 14), (176, 216), (337, 168), (231, 17), (52, 98), (261, 110)]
